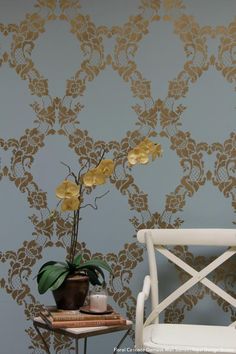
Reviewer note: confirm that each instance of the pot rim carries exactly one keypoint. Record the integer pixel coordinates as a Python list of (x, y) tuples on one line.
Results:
[(77, 277)]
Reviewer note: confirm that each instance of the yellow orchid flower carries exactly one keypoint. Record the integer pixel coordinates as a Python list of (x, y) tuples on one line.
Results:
[(133, 155), (146, 145), (136, 156), (143, 158), (67, 189), (140, 154), (106, 167), (70, 204), (99, 178), (88, 178), (157, 151), (151, 148), (93, 178)]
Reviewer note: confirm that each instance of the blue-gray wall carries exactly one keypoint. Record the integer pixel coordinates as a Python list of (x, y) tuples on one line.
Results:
[(76, 76)]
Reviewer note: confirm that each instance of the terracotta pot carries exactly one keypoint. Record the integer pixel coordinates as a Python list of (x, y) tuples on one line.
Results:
[(72, 293)]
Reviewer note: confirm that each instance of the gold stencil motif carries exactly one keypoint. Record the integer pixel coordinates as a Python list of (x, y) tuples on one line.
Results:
[(161, 116)]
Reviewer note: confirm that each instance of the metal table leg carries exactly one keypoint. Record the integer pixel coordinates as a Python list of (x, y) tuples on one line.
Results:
[(121, 341), (85, 345), (43, 340), (76, 346)]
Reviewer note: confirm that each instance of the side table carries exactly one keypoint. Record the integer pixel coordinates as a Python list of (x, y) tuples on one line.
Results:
[(79, 333)]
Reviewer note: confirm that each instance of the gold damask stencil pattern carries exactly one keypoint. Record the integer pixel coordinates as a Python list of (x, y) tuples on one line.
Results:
[(160, 117)]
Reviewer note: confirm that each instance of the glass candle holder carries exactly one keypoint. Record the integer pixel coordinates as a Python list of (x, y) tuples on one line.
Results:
[(98, 299)]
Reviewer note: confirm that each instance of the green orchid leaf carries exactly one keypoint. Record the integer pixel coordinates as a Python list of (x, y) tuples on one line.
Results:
[(93, 278), (78, 259), (99, 263), (71, 267), (51, 263), (59, 281), (43, 268), (93, 268), (69, 264), (46, 266), (49, 277)]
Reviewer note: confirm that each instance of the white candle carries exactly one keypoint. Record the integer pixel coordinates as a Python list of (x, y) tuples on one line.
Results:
[(98, 302)]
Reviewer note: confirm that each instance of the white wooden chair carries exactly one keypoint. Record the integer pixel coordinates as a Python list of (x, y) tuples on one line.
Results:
[(155, 337)]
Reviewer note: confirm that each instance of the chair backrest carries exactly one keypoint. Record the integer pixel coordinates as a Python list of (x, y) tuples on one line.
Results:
[(155, 239)]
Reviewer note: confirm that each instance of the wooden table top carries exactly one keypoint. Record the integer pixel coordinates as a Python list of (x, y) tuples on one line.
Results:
[(84, 331)]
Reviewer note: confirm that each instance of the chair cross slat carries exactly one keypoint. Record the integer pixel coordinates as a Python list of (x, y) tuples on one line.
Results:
[(208, 283), (196, 278)]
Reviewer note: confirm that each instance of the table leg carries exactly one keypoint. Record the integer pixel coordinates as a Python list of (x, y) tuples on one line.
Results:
[(121, 341), (85, 345), (76, 346), (43, 340)]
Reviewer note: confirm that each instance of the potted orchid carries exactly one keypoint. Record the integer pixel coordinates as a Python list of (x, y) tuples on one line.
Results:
[(69, 280)]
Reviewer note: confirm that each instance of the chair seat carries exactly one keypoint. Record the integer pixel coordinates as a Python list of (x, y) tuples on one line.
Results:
[(184, 338)]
